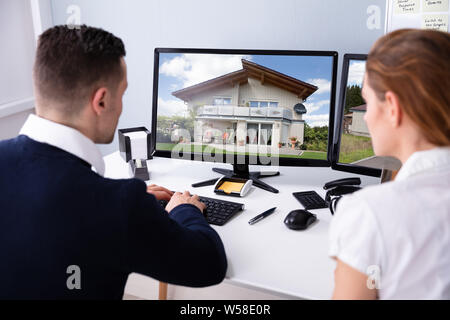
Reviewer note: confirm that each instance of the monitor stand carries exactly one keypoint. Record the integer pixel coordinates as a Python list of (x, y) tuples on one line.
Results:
[(241, 171)]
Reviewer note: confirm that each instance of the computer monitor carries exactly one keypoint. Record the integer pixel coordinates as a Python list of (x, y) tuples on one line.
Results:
[(353, 151), (263, 107)]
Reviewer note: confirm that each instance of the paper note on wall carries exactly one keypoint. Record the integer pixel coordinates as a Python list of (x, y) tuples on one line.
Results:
[(435, 5), (406, 6), (435, 22)]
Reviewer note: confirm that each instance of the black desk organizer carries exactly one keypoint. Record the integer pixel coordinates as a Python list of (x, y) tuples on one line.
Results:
[(125, 143), (126, 152), (140, 172)]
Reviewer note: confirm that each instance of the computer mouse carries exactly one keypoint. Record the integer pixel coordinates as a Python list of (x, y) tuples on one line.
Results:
[(299, 219)]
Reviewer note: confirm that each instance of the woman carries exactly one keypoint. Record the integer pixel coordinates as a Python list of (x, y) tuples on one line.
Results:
[(392, 241)]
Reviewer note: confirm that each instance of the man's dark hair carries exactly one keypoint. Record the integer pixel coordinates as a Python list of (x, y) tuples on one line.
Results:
[(71, 62)]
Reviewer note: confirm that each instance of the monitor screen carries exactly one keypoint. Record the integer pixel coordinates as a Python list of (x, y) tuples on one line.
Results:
[(354, 151), (217, 103)]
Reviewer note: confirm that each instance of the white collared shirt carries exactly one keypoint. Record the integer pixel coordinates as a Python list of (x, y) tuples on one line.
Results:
[(399, 232), (64, 138)]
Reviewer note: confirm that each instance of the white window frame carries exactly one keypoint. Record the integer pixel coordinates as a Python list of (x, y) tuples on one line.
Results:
[(259, 103), (258, 133), (222, 98)]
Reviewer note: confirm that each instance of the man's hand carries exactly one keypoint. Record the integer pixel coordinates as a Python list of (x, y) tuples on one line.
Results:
[(160, 193), (181, 198)]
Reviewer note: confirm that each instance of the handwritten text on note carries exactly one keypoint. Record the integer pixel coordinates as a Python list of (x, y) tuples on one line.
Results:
[(406, 6), (435, 22)]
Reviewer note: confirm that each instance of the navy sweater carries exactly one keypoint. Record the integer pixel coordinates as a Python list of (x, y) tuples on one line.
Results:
[(55, 212)]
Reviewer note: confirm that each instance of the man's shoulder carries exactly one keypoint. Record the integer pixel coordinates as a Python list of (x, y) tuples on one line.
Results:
[(21, 150), (11, 149), (12, 143), (21, 144)]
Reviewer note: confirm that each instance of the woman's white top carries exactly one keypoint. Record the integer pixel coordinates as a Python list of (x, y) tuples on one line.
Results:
[(398, 232)]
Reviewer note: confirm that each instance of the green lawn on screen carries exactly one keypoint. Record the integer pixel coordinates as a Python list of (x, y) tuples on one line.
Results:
[(354, 148)]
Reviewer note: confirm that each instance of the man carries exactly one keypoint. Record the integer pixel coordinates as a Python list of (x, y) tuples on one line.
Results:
[(65, 231)]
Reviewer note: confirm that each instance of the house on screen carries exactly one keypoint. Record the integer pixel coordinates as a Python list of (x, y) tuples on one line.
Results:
[(355, 119), (252, 106)]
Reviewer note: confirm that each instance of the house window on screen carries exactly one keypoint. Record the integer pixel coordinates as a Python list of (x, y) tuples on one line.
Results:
[(222, 101), (273, 104), (263, 104)]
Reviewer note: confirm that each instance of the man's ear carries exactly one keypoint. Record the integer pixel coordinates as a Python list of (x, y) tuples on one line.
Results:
[(99, 101), (395, 113)]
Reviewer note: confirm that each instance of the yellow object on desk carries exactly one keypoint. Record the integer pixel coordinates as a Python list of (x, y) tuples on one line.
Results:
[(230, 186)]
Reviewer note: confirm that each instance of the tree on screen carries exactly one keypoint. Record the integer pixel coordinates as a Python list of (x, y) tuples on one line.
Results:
[(353, 98)]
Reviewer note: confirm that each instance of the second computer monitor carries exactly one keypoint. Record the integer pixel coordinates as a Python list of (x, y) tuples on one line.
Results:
[(247, 102), (353, 151)]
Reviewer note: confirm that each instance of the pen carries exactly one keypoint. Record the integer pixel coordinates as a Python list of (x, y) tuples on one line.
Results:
[(262, 216)]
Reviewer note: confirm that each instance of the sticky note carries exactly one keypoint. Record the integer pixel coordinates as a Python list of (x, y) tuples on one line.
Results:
[(406, 6), (138, 141), (435, 22), (229, 186), (435, 5)]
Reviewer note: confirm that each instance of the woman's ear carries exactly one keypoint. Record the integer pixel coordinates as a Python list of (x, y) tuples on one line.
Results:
[(98, 101), (394, 111)]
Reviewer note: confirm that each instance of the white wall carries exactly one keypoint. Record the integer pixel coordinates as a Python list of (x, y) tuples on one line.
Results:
[(17, 50), (10, 125), (243, 24), (16, 61)]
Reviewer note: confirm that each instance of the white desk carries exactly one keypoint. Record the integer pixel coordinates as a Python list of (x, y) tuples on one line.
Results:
[(265, 256)]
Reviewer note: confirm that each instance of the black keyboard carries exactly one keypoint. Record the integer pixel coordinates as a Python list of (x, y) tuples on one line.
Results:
[(217, 212), (310, 200)]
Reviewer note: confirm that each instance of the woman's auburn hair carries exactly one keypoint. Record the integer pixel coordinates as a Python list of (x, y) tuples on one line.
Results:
[(415, 65)]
